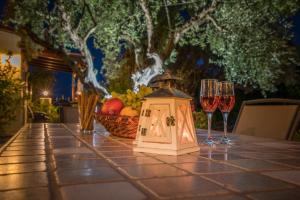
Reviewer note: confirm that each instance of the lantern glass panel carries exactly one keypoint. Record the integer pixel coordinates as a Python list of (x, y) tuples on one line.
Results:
[(158, 130), (184, 124)]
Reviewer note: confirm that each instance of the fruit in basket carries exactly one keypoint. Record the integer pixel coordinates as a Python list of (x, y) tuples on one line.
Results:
[(129, 111), (112, 106), (133, 99)]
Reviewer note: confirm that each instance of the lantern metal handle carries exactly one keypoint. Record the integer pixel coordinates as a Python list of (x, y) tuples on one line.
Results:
[(144, 131), (148, 113), (170, 121)]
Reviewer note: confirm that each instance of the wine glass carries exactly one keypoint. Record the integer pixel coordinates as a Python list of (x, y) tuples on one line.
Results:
[(209, 99), (226, 103)]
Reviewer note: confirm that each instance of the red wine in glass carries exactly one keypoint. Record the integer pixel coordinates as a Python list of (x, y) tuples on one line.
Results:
[(209, 104), (226, 103), (209, 100)]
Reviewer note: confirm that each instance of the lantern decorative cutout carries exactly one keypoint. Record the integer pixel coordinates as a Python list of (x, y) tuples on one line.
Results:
[(166, 124)]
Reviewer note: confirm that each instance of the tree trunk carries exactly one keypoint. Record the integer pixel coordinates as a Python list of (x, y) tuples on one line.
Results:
[(144, 76), (90, 76)]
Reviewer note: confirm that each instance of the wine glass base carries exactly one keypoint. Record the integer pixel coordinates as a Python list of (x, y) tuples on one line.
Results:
[(209, 141), (225, 140)]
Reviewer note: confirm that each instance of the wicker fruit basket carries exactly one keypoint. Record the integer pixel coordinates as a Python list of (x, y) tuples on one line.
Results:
[(117, 125)]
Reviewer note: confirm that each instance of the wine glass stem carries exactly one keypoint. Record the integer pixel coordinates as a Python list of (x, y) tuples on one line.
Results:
[(225, 117), (209, 116)]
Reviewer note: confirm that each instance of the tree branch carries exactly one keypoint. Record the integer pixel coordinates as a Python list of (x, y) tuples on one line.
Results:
[(68, 27), (90, 78), (208, 17), (168, 15), (135, 46), (197, 20), (91, 14), (90, 32), (128, 39), (79, 20), (149, 23)]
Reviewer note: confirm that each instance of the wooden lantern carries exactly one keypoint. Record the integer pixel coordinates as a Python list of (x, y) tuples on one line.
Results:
[(166, 123)]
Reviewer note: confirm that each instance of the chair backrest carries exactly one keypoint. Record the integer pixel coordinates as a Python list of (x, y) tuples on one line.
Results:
[(270, 118)]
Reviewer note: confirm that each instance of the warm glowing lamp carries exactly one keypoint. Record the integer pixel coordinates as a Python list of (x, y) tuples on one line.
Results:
[(45, 99), (166, 124), (45, 93)]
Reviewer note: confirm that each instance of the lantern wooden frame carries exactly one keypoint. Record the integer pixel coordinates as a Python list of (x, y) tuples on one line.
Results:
[(166, 126)]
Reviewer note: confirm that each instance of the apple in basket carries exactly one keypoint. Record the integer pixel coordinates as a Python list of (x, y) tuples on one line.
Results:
[(112, 106)]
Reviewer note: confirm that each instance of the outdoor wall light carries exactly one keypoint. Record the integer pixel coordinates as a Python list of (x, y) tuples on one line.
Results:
[(45, 93)]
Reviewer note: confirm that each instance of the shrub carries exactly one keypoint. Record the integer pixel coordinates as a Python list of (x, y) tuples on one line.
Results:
[(50, 110), (200, 120), (10, 93)]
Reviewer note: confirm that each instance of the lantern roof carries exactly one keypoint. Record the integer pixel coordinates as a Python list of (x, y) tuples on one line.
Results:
[(168, 92), (167, 75)]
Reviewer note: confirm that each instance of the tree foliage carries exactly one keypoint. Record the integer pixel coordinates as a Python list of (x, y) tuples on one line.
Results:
[(248, 39), (10, 93)]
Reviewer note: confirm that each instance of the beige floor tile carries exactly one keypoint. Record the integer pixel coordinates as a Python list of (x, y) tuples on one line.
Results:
[(292, 194), (219, 197), (15, 181), (87, 175), (79, 156), (105, 191), (290, 162), (256, 165), (179, 159), (185, 186), (115, 148), (28, 194), (135, 161), (207, 167), (222, 156), (152, 171), (22, 168), (116, 154), (291, 176), (248, 182), (24, 148), (24, 153), (21, 159), (79, 163), (71, 150)]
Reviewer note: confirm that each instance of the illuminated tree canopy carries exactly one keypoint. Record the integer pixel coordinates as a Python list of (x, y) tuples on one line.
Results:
[(249, 39)]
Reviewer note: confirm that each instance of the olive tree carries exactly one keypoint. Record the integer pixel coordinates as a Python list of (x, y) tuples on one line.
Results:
[(248, 39)]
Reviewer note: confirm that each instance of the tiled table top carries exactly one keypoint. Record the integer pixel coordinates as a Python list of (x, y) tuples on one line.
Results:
[(57, 161)]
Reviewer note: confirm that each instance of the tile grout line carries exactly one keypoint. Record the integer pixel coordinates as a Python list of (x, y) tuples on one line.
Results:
[(203, 175), (147, 193), (243, 170), (188, 173)]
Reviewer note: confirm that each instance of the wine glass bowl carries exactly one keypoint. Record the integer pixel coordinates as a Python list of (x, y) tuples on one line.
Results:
[(209, 104), (226, 104), (209, 99)]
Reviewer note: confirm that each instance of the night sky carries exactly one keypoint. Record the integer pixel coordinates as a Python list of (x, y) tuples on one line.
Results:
[(296, 28), (63, 80)]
